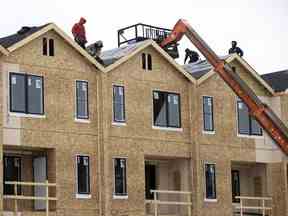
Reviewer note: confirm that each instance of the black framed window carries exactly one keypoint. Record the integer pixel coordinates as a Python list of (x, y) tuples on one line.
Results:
[(149, 62), (26, 93), (12, 172), (146, 61), (235, 179), (82, 105), (120, 184), (83, 174), (51, 47), (247, 125), (208, 121), (150, 180), (210, 179), (166, 109), (118, 104), (48, 48), (44, 46)]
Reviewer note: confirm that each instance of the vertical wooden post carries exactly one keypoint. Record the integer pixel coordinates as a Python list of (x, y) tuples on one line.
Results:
[(15, 201), (47, 198), (241, 207), (263, 206), (189, 200), (155, 204)]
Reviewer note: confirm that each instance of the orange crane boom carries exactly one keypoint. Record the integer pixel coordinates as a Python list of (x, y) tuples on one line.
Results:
[(260, 111)]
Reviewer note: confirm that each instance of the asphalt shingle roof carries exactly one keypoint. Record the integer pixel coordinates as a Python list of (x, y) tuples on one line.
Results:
[(277, 80), (17, 37)]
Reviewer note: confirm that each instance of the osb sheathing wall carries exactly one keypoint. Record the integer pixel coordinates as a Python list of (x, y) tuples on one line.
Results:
[(138, 139), (58, 129)]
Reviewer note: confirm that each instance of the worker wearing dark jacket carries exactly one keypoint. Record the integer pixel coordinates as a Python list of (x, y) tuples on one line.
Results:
[(79, 33), (235, 49)]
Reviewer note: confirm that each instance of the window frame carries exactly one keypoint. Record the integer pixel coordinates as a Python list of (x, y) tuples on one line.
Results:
[(118, 195), (26, 76), (212, 114), (167, 110), (250, 134), (19, 188), (207, 199), (76, 102), (113, 102), (147, 61), (83, 195)]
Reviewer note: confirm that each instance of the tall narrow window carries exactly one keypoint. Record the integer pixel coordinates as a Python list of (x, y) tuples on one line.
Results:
[(12, 172), (26, 93), (150, 180), (247, 125), (166, 109), (210, 177), (51, 47), (82, 110), (83, 175), (44, 47), (235, 185), (208, 114), (144, 61), (120, 184), (118, 103), (149, 62)]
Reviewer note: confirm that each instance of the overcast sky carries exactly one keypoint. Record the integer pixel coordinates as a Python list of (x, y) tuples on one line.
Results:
[(259, 26)]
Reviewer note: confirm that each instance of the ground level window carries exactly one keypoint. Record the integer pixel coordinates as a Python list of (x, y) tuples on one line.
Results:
[(120, 184), (210, 179), (83, 175), (12, 172), (150, 179)]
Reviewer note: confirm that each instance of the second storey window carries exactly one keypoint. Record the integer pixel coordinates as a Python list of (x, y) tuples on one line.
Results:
[(26, 93), (120, 185), (247, 125), (118, 104), (82, 111), (210, 179), (208, 124), (166, 109), (83, 175)]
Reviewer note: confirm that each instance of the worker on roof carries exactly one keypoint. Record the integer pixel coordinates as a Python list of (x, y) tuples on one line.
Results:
[(192, 55), (79, 33), (235, 49)]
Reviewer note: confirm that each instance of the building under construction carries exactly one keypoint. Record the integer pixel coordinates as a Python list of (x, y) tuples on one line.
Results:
[(129, 131)]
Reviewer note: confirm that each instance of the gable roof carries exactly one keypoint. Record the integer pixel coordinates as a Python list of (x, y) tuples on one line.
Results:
[(277, 80), (15, 41), (3, 50), (204, 71), (124, 54)]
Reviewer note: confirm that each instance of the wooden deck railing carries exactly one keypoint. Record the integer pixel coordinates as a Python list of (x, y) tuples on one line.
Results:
[(156, 202), (17, 197), (264, 207)]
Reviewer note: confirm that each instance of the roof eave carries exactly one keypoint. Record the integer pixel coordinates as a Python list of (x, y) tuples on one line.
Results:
[(4, 51)]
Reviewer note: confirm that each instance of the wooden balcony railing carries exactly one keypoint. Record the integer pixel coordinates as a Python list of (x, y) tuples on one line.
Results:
[(17, 197), (156, 202), (263, 206)]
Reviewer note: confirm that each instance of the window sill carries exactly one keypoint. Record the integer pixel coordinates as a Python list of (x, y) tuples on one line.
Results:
[(87, 121), (24, 115), (120, 197), (83, 196), (168, 128), (208, 132), (210, 200), (119, 123), (250, 136)]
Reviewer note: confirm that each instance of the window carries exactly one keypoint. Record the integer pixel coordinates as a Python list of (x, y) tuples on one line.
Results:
[(12, 172), (235, 185), (118, 104), (48, 47), (208, 114), (82, 110), (166, 109), (83, 175), (247, 125), (150, 180), (146, 61), (120, 185), (26, 94), (210, 178)]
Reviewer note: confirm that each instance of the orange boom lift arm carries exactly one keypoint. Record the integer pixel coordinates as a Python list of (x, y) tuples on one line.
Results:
[(260, 111)]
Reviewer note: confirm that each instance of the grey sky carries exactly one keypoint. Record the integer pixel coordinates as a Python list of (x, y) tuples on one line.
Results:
[(259, 26)]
